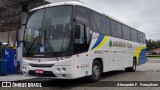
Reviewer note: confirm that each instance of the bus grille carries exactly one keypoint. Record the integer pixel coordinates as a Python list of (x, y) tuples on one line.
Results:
[(41, 65)]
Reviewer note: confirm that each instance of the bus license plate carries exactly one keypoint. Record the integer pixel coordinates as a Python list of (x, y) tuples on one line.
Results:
[(39, 71)]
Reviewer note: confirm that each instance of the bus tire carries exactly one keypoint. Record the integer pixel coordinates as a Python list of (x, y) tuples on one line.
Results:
[(133, 68), (96, 71)]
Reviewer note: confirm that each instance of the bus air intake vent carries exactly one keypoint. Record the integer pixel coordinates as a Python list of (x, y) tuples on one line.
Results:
[(41, 65)]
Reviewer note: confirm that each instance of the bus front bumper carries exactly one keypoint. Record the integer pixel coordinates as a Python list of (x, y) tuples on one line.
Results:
[(57, 71)]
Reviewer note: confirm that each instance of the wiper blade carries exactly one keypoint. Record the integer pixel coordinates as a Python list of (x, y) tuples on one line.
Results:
[(33, 44), (49, 44), (35, 41), (46, 40)]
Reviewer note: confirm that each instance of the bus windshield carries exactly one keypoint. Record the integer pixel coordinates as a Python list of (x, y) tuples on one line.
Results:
[(48, 30)]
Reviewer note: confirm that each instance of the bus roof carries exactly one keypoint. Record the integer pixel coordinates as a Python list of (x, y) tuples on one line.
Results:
[(64, 3), (73, 3), (80, 4)]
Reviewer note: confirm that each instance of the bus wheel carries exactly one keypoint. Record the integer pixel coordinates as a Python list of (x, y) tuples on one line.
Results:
[(96, 71), (133, 68)]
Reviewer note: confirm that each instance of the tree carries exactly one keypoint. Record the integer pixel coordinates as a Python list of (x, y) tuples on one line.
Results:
[(152, 44)]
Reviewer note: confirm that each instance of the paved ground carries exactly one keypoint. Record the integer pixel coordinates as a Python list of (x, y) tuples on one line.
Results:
[(14, 77), (147, 72)]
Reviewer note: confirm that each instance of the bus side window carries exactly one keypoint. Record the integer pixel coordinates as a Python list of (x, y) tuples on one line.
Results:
[(82, 34), (116, 29), (134, 35), (126, 32), (79, 33), (144, 38), (83, 29), (80, 41)]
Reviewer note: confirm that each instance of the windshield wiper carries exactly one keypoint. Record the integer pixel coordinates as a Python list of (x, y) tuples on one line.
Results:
[(47, 41), (33, 43), (49, 44)]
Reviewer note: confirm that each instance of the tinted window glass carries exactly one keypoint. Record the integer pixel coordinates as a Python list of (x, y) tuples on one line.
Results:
[(94, 27), (48, 30), (139, 37), (82, 15), (102, 23), (57, 26), (107, 26), (79, 35), (126, 32), (116, 29), (97, 19), (134, 35), (144, 38)]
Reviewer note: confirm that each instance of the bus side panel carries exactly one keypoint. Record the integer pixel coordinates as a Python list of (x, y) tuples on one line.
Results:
[(83, 64), (114, 61), (142, 57), (128, 59), (140, 54), (105, 61), (99, 49)]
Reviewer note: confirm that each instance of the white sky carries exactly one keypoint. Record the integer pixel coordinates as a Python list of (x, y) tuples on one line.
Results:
[(143, 15)]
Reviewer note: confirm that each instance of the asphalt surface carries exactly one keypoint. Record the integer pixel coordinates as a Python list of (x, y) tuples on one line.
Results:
[(146, 72)]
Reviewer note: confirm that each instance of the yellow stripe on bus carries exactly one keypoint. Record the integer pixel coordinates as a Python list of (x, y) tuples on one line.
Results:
[(103, 42)]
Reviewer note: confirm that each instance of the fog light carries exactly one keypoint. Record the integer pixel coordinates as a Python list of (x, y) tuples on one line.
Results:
[(58, 69), (64, 75), (64, 69)]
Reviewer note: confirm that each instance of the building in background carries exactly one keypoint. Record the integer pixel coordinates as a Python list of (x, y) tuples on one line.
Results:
[(154, 52)]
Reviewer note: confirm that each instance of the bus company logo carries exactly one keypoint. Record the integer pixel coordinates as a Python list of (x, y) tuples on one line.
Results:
[(110, 43)]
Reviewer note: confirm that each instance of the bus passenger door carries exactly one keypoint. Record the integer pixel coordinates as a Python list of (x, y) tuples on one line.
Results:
[(79, 43), (81, 46), (82, 39)]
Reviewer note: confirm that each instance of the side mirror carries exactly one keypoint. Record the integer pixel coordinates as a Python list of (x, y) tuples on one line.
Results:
[(77, 32)]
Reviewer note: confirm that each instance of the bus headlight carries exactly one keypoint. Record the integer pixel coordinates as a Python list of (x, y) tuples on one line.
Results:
[(63, 69), (59, 69)]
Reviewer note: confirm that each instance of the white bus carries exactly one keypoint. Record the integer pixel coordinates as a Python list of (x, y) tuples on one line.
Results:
[(69, 40)]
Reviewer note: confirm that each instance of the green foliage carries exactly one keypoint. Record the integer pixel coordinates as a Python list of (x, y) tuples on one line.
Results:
[(152, 44)]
